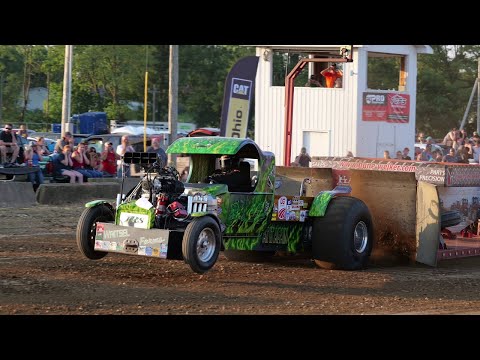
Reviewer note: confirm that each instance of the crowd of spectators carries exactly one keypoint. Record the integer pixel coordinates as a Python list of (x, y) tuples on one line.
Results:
[(456, 147), (67, 162)]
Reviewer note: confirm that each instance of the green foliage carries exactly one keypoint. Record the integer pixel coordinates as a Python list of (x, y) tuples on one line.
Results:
[(444, 83), (283, 64), (204, 69), (383, 73)]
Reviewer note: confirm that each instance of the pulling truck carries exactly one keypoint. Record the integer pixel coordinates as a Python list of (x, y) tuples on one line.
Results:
[(193, 221)]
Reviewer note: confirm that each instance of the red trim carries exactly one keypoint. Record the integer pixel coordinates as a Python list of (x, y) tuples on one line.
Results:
[(455, 254)]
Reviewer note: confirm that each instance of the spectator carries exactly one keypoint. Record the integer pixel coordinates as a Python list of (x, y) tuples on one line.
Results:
[(331, 74), (23, 131), (463, 155), (426, 154), (41, 147), (109, 160), (62, 163), (386, 154), (435, 147), (303, 159), (436, 156), (349, 154), (313, 82), (155, 148), (338, 83), (81, 163), (476, 150), (450, 138), (33, 154), (67, 139), (94, 158), (405, 154), (121, 150), (8, 144), (463, 135), (451, 157), (421, 138), (399, 155)]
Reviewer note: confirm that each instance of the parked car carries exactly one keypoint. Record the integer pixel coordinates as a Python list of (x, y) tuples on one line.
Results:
[(204, 132)]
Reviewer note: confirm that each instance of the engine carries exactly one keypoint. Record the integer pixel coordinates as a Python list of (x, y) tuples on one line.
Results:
[(164, 190)]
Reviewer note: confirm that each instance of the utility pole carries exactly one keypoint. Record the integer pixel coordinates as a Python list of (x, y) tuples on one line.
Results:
[(172, 99), (154, 92), (67, 87), (2, 76)]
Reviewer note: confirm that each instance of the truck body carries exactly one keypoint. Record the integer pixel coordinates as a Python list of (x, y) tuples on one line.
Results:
[(166, 218)]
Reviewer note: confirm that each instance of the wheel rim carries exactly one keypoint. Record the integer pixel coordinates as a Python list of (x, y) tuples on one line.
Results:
[(206, 245), (360, 239)]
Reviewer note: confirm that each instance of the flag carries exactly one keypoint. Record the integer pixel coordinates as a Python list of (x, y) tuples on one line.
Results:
[(239, 92)]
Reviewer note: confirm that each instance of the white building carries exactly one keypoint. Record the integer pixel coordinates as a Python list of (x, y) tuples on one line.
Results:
[(36, 98), (366, 115)]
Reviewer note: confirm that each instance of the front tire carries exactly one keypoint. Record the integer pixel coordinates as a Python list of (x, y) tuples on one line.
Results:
[(201, 244), (343, 238), (87, 227)]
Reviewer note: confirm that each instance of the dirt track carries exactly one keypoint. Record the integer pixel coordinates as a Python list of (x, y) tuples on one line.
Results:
[(42, 272)]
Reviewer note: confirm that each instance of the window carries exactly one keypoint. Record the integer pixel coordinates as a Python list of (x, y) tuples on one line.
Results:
[(386, 72), (285, 61)]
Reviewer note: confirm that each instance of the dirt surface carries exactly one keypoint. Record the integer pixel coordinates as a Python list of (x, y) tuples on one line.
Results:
[(42, 272)]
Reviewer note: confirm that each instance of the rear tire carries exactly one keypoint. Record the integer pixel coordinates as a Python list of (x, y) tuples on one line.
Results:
[(201, 244), (87, 227), (343, 238)]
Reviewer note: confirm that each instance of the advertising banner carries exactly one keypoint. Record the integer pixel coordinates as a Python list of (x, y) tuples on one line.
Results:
[(389, 107), (239, 92)]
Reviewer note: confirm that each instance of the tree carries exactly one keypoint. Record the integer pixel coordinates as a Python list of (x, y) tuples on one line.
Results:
[(444, 82), (203, 71)]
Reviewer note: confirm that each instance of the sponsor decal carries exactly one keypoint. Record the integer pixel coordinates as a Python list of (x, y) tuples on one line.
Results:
[(237, 119), (115, 234), (141, 250), (100, 227), (277, 235), (151, 241), (282, 208), (163, 250), (148, 251), (106, 245), (303, 215), (156, 252), (389, 107), (113, 246), (134, 220), (98, 244)]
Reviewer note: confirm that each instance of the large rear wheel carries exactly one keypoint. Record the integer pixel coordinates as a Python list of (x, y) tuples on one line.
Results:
[(343, 238), (87, 228), (201, 244)]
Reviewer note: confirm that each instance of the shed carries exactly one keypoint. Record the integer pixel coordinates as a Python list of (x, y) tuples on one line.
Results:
[(372, 110)]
